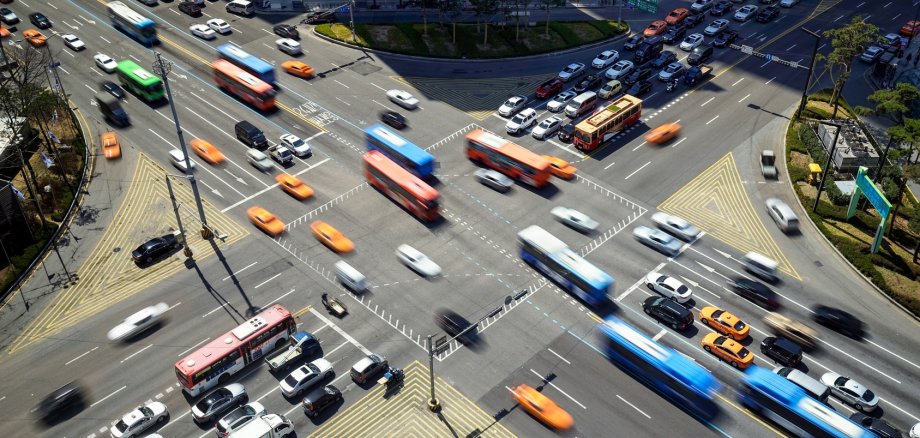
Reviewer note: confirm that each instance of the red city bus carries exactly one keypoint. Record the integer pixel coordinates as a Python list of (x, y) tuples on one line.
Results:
[(244, 85), (598, 128), (401, 186), (515, 161), (222, 357)]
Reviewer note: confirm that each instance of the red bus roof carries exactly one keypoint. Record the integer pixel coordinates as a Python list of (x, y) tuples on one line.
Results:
[(241, 76), (509, 149), (233, 339), (406, 180)]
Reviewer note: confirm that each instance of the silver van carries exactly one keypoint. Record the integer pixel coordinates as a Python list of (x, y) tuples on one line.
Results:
[(583, 103), (259, 160), (241, 7), (350, 277), (760, 265), (785, 219), (814, 388)]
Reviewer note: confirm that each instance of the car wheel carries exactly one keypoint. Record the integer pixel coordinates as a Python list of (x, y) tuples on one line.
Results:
[(649, 286), (161, 419), (647, 311), (244, 399), (674, 326), (858, 407), (707, 348), (704, 321), (148, 259), (735, 364)]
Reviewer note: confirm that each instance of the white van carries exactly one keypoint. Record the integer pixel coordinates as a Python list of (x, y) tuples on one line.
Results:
[(259, 160), (784, 217), (814, 388), (350, 277), (241, 7), (760, 265), (583, 103)]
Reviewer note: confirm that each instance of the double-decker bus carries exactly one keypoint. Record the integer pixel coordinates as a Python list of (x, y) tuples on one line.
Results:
[(787, 405), (141, 82), (515, 161), (557, 261), (240, 58), (401, 186), (395, 147), (597, 129), (671, 374), (251, 89), (228, 354), (139, 27)]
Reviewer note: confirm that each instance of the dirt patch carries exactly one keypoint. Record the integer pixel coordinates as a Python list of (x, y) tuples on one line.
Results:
[(585, 31), (824, 106), (799, 160)]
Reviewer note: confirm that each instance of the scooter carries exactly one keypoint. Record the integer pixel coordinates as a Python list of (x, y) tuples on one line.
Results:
[(671, 86)]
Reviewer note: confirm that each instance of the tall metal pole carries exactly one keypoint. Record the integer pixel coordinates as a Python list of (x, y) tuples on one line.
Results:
[(162, 68), (433, 404), (827, 166), (882, 159), (351, 17), (811, 69), (172, 197), (10, 261)]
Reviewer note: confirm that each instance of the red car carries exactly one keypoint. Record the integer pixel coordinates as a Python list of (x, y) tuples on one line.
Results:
[(910, 28), (549, 88), (656, 28)]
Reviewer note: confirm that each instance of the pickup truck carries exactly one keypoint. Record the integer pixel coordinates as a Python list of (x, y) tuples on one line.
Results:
[(301, 344), (697, 73), (281, 154)]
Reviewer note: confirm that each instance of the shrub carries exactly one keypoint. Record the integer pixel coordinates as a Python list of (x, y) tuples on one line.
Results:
[(797, 173), (418, 45), (834, 194), (608, 27), (566, 32), (794, 142), (816, 113), (812, 144)]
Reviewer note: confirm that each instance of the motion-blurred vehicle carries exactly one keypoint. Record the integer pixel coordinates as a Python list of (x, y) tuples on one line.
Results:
[(331, 237), (265, 221), (289, 46), (542, 408), (755, 291), (724, 322), (676, 226), (394, 119), (560, 168), (838, 320), (403, 98), (574, 219), (792, 329), (202, 31), (154, 248), (453, 324), (494, 179), (66, 398), (206, 151), (417, 261), (112, 88), (294, 186), (34, 37), (218, 401), (876, 425), (657, 240), (663, 133), (297, 68), (138, 323)]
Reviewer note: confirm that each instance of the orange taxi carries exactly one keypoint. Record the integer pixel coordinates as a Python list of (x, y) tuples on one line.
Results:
[(35, 38), (207, 151), (4, 32), (676, 16), (294, 186), (728, 350), (297, 68), (560, 167), (910, 28), (331, 237), (110, 147), (656, 28), (724, 322), (266, 221), (663, 133), (541, 407)]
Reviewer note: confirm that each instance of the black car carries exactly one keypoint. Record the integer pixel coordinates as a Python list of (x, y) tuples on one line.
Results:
[(664, 58), (40, 20), (755, 291), (8, 16), (838, 320), (674, 34), (319, 17), (721, 8), (726, 37), (590, 81), (639, 75), (154, 248), (668, 312), (113, 89), (640, 88), (286, 31), (782, 350), (63, 399), (699, 55), (876, 425), (452, 323), (694, 19), (566, 132), (393, 119), (633, 42), (319, 399), (767, 14)]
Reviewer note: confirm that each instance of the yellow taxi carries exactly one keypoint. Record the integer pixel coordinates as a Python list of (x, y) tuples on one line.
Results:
[(110, 147), (35, 38), (728, 350), (663, 133), (724, 322), (294, 186), (266, 221), (4, 32), (560, 167), (206, 151), (541, 407), (331, 237), (297, 68)]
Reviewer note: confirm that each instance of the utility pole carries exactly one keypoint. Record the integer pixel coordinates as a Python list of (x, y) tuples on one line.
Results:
[(433, 404), (811, 69), (172, 197), (830, 158)]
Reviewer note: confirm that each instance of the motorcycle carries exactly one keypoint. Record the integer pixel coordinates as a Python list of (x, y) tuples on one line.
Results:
[(672, 85)]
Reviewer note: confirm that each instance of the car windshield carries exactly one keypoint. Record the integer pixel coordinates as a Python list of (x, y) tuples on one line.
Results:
[(121, 426), (682, 289), (743, 353), (291, 381), (868, 395), (739, 326)]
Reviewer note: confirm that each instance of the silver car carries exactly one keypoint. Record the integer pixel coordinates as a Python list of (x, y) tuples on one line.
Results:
[(417, 261), (658, 240), (494, 179), (850, 392), (138, 322), (574, 218), (560, 101), (547, 128), (678, 227), (238, 418), (219, 401), (402, 98), (512, 106)]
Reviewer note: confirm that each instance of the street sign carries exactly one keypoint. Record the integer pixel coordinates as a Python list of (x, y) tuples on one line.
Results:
[(644, 5), (747, 50), (864, 186), (769, 57)]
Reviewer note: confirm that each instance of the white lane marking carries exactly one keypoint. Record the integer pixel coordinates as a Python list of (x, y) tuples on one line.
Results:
[(241, 270), (608, 166), (713, 119), (791, 47), (659, 335), (103, 398), (894, 354), (278, 299), (634, 172), (78, 357), (193, 347), (136, 353), (765, 64), (334, 349), (640, 145), (771, 80), (737, 82), (313, 136), (887, 5), (821, 46), (340, 331), (225, 304), (745, 97), (678, 142), (838, 18), (558, 389), (173, 306), (266, 281), (378, 86), (710, 100), (557, 355), (337, 81), (564, 148), (634, 407)]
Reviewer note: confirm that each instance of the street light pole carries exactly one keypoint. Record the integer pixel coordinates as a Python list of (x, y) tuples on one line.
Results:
[(433, 404), (827, 166), (172, 197), (811, 69)]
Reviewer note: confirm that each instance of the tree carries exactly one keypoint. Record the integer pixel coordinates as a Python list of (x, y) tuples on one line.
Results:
[(908, 132), (549, 4), (914, 225), (452, 9), (848, 42), (891, 103), (484, 8)]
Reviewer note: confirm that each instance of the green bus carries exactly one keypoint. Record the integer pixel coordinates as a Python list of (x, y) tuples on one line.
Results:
[(141, 82)]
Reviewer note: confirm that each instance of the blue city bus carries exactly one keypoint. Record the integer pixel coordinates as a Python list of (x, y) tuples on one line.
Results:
[(570, 271), (784, 403), (409, 156), (252, 64), (137, 26), (671, 374)]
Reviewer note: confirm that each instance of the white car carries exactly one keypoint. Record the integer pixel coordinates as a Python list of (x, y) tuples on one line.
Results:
[(75, 44), (560, 101), (402, 98), (105, 63), (788, 3), (219, 26), (871, 54), (657, 240), (512, 106), (620, 70), (238, 418), (668, 287), (676, 226), (672, 71), (606, 58), (296, 145), (521, 121), (850, 392), (716, 27), (134, 423), (701, 5), (417, 261), (288, 46), (202, 31), (178, 159), (494, 179), (138, 322), (305, 377), (547, 128), (574, 218), (746, 13), (691, 42), (572, 71)]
